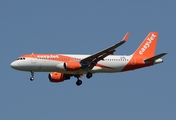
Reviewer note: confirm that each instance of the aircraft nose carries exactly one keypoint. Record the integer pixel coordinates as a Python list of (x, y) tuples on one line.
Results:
[(14, 65)]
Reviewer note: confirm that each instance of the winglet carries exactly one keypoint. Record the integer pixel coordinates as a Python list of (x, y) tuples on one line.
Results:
[(126, 37)]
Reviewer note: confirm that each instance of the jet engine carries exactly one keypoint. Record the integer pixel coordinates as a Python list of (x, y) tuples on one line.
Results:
[(69, 66), (58, 77), (72, 66)]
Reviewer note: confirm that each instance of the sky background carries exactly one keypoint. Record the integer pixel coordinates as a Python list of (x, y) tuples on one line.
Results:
[(86, 27)]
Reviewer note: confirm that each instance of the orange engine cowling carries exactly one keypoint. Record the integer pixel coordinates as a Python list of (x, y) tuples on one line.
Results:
[(72, 66), (58, 77)]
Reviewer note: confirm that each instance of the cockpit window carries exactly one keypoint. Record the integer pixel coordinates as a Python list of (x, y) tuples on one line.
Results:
[(21, 59)]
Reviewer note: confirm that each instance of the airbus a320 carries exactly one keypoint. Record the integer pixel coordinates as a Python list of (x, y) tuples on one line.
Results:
[(64, 66)]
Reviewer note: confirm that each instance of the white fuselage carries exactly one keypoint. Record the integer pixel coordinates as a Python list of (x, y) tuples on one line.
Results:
[(112, 63)]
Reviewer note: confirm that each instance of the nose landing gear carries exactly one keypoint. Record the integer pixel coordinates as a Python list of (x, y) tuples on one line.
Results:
[(32, 76)]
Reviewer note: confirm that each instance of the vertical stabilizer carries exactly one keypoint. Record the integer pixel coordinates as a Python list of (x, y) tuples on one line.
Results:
[(148, 46)]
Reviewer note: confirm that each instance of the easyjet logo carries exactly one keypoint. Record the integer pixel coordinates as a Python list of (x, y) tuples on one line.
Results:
[(147, 44), (47, 56)]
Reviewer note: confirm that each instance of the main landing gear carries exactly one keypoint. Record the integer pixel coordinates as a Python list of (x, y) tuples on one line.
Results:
[(32, 76), (79, 82), (89, 75)]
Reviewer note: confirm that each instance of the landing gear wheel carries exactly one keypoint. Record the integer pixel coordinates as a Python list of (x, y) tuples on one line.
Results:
[(32, 78), (89, 75), (78, 82)]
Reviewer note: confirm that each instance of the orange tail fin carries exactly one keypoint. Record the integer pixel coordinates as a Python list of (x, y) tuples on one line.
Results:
[(148, 46)]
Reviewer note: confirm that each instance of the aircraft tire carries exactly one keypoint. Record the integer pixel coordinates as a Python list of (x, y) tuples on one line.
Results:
[(89, 75), (78, 82), (32, 78)]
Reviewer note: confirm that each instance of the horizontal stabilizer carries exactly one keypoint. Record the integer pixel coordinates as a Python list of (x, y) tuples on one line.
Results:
[(155, 57)]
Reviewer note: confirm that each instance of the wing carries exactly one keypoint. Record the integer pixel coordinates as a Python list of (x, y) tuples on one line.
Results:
[(91, 60)]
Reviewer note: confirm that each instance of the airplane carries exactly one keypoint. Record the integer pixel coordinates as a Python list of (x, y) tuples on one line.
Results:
[(64, 66)]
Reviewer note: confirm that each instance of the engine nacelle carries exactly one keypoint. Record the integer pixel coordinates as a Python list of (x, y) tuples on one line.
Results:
[(58, 77), (69, 66), (72, 66)]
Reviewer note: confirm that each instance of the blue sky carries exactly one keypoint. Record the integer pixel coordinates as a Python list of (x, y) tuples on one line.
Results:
[(85, 27)]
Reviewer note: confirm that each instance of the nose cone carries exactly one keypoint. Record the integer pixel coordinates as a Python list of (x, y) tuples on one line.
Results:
[(14, 65)]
